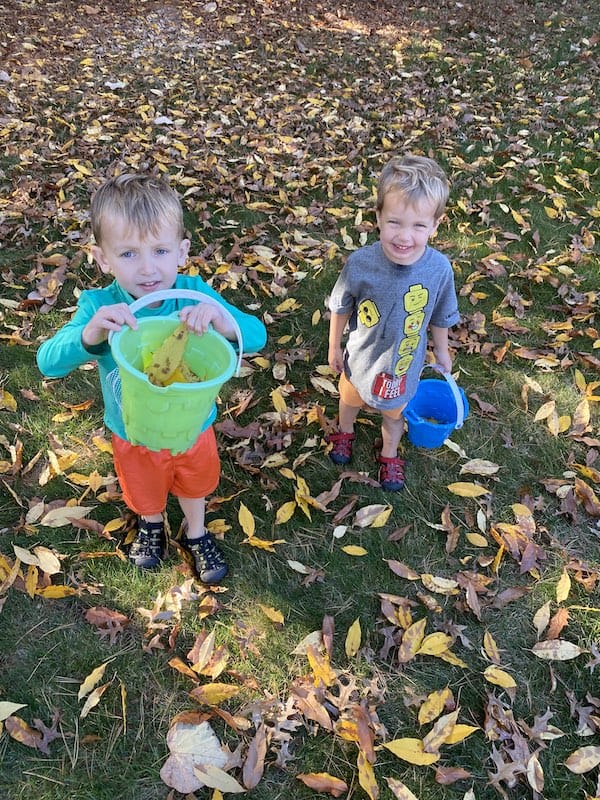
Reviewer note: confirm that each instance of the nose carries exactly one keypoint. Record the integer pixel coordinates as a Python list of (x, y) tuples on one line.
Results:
[(145, 265)]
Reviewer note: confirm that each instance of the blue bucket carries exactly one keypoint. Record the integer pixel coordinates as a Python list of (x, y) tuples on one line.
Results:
[(438, 408)]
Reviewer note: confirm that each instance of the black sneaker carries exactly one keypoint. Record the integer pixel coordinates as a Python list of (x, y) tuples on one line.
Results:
[(209, 564), (148, 548)]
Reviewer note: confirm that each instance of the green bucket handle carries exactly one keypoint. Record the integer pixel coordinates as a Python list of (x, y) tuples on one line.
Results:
[(453, 386), (188, 294)]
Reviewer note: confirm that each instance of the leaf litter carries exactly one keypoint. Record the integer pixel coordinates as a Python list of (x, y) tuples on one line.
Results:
[(272, 179)]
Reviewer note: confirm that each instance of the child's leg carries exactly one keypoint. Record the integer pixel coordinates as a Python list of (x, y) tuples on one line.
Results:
[(145, 486), (350, 404), (391, 434), (391, 467), (193, 510), (208, 560)]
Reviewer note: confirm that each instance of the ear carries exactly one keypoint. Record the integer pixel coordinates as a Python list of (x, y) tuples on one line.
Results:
[(100, 259), (184, 249)]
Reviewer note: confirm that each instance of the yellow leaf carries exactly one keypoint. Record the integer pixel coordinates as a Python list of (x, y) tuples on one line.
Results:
[(246, 520), (285, 512), (476, 539), (440, 732), (434, 705), (434, 644), (93, 700), (92, 680), (263, 544), (321, 667), (7, 400), (273, 614), (460, 732), (467, 489), (491, 648), (31, 580), (278, 400), (212, 694), (551, 212), (56, 592), (563, 587), (411, 750), (353, 639), (499, 677), (354, 550), (411, 641), (366, 776)]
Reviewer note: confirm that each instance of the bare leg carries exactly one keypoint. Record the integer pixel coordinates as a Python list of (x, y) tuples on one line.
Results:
[(193, 509), (347, 417), (391, 433)]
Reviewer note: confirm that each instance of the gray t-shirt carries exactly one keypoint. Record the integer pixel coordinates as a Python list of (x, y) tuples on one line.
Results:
[(391, 306)]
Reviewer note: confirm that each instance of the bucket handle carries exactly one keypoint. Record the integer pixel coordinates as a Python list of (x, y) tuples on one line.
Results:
[(190, 294), (453, 386)]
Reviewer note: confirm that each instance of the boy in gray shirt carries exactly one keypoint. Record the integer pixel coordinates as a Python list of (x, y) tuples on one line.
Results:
[(390, 294)]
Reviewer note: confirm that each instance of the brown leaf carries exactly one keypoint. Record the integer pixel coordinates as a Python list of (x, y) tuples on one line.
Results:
[(254, 764)]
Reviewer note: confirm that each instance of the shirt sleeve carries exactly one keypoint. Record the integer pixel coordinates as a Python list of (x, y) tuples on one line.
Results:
[(65, 351)]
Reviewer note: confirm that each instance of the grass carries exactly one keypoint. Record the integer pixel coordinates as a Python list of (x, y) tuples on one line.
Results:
[(297, 108)]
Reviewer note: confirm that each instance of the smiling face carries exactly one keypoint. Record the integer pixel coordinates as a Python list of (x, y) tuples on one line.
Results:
[(141, 264), (404, 229)]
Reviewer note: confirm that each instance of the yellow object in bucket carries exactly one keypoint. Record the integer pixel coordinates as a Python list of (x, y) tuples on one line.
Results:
[(170, 417)]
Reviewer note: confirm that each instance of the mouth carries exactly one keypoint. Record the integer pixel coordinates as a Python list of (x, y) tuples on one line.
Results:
[(149, 286)]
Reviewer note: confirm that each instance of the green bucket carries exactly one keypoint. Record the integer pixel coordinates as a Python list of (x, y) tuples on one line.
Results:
[(170, 417)]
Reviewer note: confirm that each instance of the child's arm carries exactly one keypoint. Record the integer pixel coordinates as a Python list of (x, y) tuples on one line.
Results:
[(84, 337), (441, 352), (335, 355)]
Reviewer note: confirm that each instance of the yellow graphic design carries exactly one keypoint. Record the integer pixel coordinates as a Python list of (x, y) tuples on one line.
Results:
[(415, 301), (368, 314)]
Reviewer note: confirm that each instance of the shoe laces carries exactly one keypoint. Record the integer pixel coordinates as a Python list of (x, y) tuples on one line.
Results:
[(206, 552), (392, 470), (149, 539)]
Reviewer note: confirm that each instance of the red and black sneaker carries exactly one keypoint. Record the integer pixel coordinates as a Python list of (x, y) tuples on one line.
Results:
[(341, 452), (391, 473)]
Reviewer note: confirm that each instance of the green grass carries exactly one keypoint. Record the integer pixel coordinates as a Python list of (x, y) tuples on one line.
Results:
[(299, 108)]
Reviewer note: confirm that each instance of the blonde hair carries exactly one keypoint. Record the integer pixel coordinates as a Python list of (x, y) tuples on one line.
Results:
[(144, 202), (417, 178)]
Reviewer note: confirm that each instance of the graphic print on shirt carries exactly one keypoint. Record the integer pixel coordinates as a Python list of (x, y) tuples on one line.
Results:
[(368, 313), (389, 387)]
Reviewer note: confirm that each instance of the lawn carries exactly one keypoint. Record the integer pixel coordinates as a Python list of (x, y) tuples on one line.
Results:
[(439, 642)]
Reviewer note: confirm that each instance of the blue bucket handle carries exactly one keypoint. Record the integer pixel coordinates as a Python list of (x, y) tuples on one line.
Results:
[(187, 294), (453, 386)]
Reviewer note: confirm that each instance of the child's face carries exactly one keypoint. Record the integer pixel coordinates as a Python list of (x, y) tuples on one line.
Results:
[(141, 264), (404, 230)]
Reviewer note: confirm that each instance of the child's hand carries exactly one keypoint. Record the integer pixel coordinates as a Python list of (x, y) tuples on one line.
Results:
[(200, 316), (105, 320), (442, 357), (336, 360)]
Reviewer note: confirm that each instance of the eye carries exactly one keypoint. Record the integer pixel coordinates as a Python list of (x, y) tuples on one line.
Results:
[(161, 251), (126, 254)]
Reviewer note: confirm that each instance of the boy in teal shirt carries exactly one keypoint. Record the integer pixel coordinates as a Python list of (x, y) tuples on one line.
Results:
[(137, 222)]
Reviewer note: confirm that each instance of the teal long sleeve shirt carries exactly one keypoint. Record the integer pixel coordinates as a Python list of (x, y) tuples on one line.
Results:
[(65, 351)]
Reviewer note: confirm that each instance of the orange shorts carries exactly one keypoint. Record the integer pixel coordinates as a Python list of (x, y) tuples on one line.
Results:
[(351, 397), (148, 476)]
